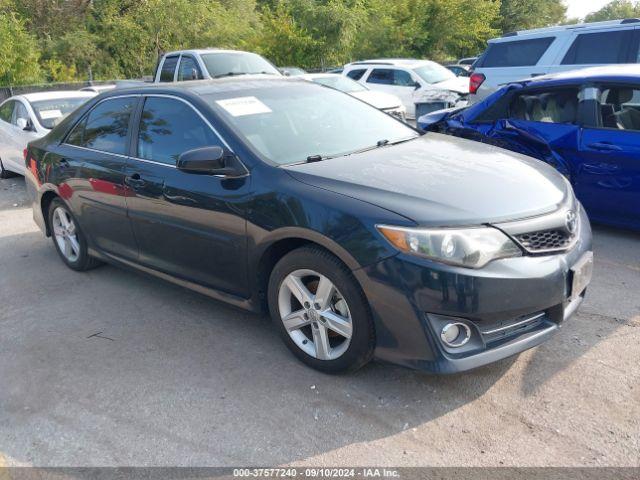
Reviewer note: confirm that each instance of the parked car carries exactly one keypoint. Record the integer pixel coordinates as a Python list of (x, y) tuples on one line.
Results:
[(413, 81), (585, 123), (459, 70), (26, 117), (291, 71), (363, 238), (183, 65), (98, 88), (531, 53), (382, 101)]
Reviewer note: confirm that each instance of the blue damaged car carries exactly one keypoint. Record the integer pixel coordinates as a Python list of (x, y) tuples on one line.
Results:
[(585, 123)]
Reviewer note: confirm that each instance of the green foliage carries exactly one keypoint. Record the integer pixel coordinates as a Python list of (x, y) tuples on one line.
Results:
[(615, 10), (19, 62), (525, 14), (71, 39)]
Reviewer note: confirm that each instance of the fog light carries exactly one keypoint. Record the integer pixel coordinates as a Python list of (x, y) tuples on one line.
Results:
[(455, 334)]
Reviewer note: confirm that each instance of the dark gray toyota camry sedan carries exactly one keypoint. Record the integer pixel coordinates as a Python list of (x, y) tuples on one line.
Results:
[(359, 236)]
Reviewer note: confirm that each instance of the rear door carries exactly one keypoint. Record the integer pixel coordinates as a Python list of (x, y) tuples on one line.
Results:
[(608, 180), (188, 225), (91, 175)]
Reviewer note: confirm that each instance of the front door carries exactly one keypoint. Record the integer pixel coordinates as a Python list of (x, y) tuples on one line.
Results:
[(608, 180), (191, 226), (396, 82)]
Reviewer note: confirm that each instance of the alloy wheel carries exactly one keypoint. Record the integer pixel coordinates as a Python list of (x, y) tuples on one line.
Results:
[(315, 314), (64, 231)]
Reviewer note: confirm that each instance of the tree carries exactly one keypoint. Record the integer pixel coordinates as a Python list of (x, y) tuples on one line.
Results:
[(525, 14), (19, 60), (617, 9)]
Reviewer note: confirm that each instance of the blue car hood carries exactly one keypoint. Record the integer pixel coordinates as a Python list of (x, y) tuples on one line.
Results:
[(441, 180)]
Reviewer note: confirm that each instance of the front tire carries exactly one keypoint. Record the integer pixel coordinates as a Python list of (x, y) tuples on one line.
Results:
[(6, 173), (68, 239), (321, 312)]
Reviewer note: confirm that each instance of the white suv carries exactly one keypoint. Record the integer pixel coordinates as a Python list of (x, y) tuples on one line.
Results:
[(413, 81), (530, 53), (183, 65)]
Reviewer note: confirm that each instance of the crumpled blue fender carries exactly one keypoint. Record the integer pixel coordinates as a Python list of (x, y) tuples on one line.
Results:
[(546, 142)]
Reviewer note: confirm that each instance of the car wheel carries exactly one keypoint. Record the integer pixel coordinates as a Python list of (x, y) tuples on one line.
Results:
[(68, 239), (321, 311), (5, 173)]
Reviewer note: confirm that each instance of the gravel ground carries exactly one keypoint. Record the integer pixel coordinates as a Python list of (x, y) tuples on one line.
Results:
[(111, 367)]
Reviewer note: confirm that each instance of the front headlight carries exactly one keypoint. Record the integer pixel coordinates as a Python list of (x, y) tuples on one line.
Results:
[(466, 247)]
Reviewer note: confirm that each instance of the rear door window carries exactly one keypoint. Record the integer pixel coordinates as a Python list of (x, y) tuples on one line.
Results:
[(551, 106), (356, 74), (168, 69), (170, 127), (517, 53), (620, 108), (601, 48), (188, 70), (106, 127)]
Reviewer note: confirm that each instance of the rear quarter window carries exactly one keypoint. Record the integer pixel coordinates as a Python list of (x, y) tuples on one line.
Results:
[(517, 53), (601, 48), (356, 74)]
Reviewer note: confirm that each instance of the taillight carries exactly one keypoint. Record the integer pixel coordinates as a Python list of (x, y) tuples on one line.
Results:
[(475, 81), (24, 154)]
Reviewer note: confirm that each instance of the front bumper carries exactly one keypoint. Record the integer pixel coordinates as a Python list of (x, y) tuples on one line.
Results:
[(511, 305)]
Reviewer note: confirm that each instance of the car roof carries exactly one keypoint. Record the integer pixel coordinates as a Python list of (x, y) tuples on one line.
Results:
[(55, 95), (398, 62), (564, 28), (609, 73), (210, 86), (200, 51)]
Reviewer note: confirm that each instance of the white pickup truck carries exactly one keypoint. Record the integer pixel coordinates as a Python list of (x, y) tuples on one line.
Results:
[(208, 63)]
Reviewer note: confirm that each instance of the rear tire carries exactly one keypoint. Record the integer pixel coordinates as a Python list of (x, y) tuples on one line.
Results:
[(68, 239), (321, 312)]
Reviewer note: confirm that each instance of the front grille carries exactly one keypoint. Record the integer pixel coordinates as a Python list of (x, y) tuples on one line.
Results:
[(503, 329), (545, 240)]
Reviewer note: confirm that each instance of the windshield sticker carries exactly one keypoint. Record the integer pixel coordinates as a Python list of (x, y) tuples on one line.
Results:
[(49, 114), (241, 106)]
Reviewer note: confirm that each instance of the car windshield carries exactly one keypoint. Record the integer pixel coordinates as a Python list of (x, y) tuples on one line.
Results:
[(51, 112), (294, 123), (340, 82), (433, 73), (236, 63)]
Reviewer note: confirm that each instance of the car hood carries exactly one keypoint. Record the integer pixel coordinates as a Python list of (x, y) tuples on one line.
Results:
[(457, 84), (439, 180), (377, 99)]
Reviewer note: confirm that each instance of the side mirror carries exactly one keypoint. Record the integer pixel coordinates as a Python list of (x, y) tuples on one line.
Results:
[(211, 161), (24, 124), (416, 85)]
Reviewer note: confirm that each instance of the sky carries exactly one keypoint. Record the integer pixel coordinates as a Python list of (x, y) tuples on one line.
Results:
[(580, 8)]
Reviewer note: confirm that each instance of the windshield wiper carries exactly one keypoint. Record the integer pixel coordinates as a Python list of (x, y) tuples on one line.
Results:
[(230, 74)]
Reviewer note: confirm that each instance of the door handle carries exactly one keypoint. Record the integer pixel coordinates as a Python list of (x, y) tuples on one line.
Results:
[(134, 181), (604, 147)]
